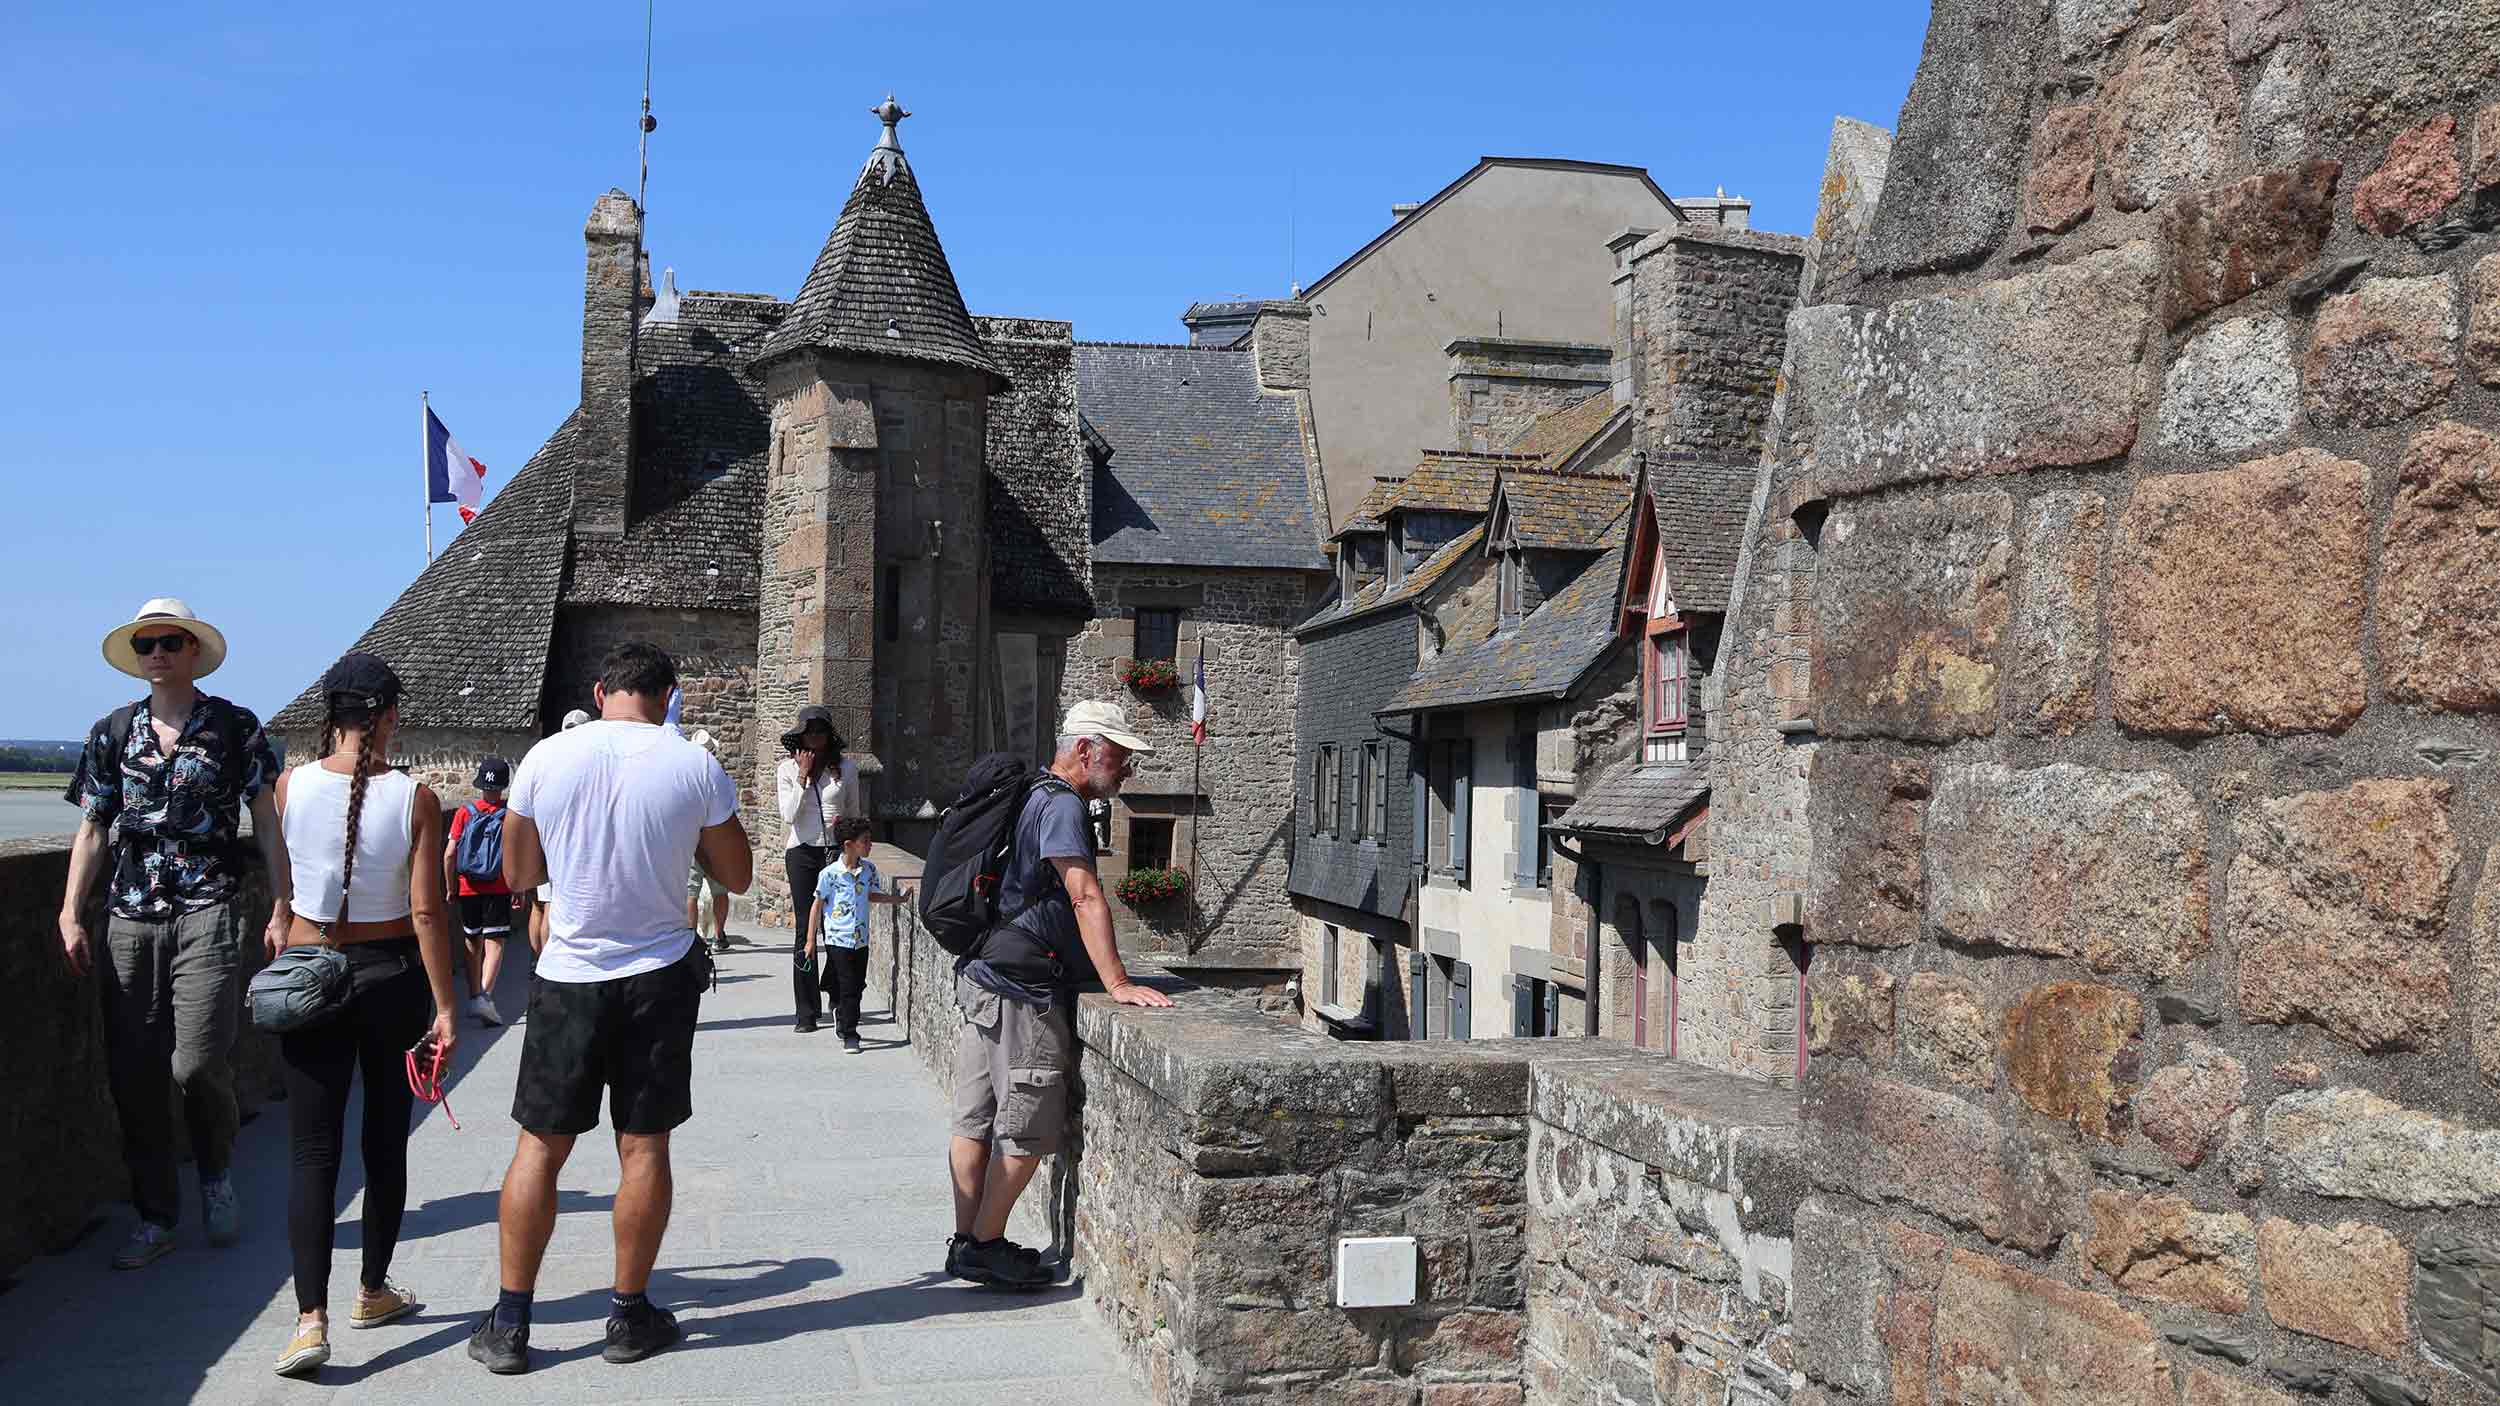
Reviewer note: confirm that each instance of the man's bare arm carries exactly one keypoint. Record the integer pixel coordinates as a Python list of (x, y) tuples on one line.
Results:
[(727, 856), (1102, 943), (524, 862), (86, 853), (271, 842)]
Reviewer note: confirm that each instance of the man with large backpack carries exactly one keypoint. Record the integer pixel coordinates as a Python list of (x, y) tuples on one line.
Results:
[(1015, 983), (473, 860)]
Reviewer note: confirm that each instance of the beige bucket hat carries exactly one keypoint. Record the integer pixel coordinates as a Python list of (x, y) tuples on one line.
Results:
[(1108, 721), (164, 610)]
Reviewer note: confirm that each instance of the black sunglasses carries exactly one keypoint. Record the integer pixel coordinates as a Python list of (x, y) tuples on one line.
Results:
[(144, 645)]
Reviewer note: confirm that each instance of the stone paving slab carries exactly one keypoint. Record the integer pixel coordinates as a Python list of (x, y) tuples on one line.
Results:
[(811, 1213)]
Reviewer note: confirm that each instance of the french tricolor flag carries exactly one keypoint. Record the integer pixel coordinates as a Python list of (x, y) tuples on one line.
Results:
[(1198, 702), (451, 476)]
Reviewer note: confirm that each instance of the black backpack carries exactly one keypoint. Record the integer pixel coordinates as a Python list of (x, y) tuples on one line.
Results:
[(967, 862)]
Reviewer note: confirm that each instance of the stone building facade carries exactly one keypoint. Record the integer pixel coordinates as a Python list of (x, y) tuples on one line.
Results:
[(866, 497), (2155, 882)]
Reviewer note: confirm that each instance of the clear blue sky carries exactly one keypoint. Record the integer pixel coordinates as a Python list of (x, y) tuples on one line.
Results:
[(239, 240)]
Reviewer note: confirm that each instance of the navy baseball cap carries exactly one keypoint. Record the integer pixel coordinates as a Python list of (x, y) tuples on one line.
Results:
[(493, 774)]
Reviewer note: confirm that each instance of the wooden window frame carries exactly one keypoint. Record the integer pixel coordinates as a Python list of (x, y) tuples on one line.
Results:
[(1666, 692), (1171, 841), (1137, 642)]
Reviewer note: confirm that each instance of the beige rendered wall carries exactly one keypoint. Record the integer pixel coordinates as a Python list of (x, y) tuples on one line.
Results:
[(1489, 915), (1519, 252)]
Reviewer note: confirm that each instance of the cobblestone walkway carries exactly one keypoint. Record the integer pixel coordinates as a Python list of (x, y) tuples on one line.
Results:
[(811, 1215)]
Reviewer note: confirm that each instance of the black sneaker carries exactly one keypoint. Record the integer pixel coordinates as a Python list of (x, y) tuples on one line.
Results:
[(505, 1351), (803, 1029), (636, 1333), (956, 1244), (851, 1043), (1001, 1264)]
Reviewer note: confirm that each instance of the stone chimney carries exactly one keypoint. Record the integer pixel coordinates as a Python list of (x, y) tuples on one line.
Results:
[(1500, 385), (612, 302), (1281, 340), (1710, 310)]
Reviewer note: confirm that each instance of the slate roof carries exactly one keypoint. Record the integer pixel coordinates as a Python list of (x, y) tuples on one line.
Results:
[(1542, 656), (470, 636), (1554, 437), (1380, 595), (1563, 512), (1040, 476), (1366, 515), (882, 286), (1700, 513), (702, 435), (1638, 798), (1451, 480), (1204, 469)]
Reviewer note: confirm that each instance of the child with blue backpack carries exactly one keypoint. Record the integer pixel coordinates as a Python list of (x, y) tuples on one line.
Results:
[(838, 923), (473, 856)]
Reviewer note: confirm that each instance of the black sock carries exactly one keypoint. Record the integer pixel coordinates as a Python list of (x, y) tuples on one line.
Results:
[(628, 1302), (512, 1308)]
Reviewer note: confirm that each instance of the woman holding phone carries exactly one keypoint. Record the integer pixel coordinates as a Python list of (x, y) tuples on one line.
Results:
[(366, 847)]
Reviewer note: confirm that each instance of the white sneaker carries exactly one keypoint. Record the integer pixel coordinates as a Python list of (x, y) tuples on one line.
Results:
[(483, 1007)]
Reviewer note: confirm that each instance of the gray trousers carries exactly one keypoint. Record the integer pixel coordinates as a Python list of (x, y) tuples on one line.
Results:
[(172, 998)]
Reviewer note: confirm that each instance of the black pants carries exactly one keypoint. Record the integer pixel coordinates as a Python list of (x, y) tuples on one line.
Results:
[(804, 863), (387, 1012), (846, 976)]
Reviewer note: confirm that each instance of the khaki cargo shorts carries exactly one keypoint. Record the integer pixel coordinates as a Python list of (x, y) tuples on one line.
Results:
[(1011, 1072)]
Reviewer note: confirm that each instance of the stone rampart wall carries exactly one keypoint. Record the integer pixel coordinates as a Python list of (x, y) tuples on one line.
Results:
[(60, 1143), (2154, 893), (1593, 1224)]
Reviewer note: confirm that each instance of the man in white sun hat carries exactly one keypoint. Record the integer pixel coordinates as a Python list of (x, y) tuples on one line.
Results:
[(1016, 990), (161, 786)]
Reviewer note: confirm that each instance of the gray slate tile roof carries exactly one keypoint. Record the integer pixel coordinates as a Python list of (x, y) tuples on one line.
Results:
[(702, 432), (882, 286), (1637, 798), (469, 637), (1701, 511), (1564, 512), (1380, 595), (1542, 656), (1040, 474), (1205, 469), (1366, 515), (1556, 435), (1452, 480)]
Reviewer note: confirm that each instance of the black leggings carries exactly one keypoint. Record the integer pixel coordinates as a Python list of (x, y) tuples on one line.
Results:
[(389, 1011), (804, 864)]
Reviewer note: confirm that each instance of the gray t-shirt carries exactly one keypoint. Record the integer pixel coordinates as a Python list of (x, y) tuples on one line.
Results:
[(1009, 962)]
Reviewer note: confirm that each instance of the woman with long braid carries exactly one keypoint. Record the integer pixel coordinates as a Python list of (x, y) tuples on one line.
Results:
[(367, 840)]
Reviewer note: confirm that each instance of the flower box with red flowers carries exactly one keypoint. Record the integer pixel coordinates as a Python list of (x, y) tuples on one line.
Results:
[(1150, 675), (1142, 886)]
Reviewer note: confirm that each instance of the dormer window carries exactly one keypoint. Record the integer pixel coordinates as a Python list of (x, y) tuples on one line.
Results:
[(1665, 691), (1513, 569), (1397, 551)]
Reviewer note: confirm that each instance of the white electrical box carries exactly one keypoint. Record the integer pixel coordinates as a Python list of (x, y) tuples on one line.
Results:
[(1376, 1271)]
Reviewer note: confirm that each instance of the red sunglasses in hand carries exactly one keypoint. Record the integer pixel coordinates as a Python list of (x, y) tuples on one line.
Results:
[(425, 1076)]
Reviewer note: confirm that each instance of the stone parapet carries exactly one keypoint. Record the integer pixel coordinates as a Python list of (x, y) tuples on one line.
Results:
[(60, 1141), (1588, 1219)]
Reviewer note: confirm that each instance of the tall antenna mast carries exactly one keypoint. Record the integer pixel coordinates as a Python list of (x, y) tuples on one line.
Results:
[(1293, 265), (649, 123)]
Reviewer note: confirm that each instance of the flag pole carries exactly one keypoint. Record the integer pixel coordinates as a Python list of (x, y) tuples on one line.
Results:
[(1197, 796), (425, 450)]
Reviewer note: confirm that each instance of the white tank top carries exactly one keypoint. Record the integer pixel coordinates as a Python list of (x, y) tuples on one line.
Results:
[(316, 843)]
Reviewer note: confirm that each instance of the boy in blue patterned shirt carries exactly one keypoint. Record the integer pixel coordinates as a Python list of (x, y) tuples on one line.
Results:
[(839, 924)]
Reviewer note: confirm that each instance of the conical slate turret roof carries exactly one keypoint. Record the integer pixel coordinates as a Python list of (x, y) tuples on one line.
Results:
[(882, 287)]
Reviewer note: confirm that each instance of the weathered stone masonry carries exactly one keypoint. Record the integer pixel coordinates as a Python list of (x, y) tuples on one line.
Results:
[(2153, 885)]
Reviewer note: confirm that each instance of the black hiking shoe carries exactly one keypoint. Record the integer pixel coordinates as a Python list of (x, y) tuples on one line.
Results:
[(505, 1351), (1000, 1264), (636, 1333)]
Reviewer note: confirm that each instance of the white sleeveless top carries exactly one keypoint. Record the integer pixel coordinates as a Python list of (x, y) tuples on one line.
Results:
[(316, 843)]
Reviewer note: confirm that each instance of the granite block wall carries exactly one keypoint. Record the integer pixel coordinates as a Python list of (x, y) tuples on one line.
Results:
[(1500, 385), (2154, 822), (60, 1142), (1238, 826)]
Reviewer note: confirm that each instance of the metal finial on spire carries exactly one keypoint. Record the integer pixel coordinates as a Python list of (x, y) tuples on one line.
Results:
[(888, 157)]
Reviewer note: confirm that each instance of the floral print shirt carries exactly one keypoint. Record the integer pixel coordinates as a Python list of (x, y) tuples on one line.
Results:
[(176, 820)]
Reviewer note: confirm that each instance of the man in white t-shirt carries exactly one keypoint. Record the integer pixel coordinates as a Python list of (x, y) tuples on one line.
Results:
[(611, 813)]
